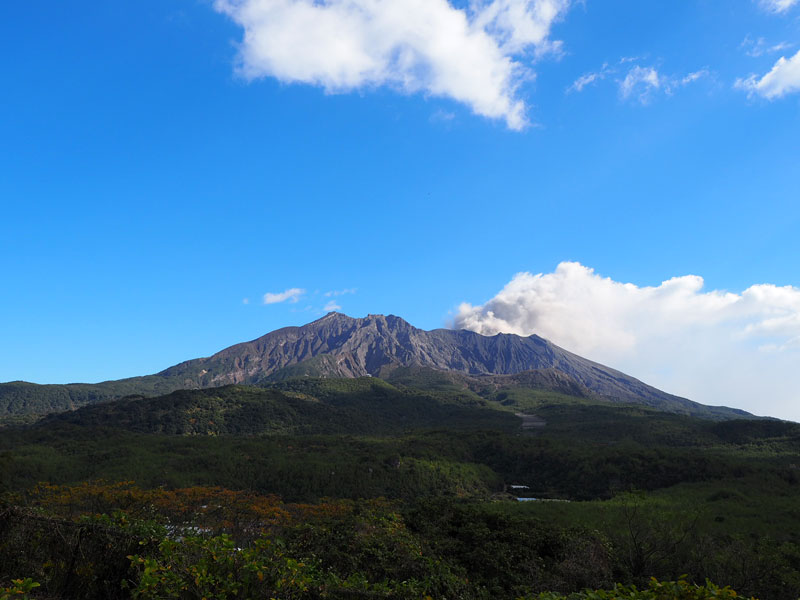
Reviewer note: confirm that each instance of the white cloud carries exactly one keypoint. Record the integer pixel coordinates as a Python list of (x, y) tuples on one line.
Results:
[(291, 295), (642, 82), (589, 78), (691, 77), (778, 6), (330, 306), (584, 80), (759, 47), (717, 347), (520, 24), (639, 82), (245, 300), (782, 79), (470, 55)]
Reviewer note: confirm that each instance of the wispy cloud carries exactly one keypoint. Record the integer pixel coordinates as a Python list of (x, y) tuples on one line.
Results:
[(335, 293), (782, 79), (777, 6), (690, 77), (718, 347), (636, 82), (473, 55), (330, 306), (639, 82), (442, 116), (291, 295), (759, 47), (589, 78)]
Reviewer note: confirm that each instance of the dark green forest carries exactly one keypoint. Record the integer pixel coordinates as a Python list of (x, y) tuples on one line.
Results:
[(407, 487)]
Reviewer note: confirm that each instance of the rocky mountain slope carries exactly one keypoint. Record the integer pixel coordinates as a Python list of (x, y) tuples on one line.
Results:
[(341, 346)]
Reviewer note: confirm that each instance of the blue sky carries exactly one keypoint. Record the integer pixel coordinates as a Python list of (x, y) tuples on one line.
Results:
[(159, 168)]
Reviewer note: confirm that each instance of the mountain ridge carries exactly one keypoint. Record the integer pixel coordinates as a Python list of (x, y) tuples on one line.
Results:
[(337, 345)]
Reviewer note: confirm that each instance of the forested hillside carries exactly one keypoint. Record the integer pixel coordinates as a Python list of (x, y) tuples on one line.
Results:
[(351, 488)]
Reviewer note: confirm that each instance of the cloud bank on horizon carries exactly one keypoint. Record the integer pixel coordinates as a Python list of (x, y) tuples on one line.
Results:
[(715, 347), (471, 55)]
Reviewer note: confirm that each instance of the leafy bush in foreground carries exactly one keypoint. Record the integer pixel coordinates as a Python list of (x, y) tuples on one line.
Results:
[(657, 590), (18, 590), (115, 541)]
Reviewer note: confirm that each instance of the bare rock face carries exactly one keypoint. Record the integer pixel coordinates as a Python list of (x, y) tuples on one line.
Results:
[(340, 346)]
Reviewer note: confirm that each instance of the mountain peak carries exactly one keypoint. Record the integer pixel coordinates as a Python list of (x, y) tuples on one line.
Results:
[(337, 345), (332, 315)]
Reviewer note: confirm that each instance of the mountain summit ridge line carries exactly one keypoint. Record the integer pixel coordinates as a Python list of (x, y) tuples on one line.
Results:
[(337, 345), (375, 343)]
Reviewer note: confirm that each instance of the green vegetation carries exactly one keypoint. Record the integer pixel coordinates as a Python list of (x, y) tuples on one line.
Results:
[(656, 590), (19, 399), (363, 488)]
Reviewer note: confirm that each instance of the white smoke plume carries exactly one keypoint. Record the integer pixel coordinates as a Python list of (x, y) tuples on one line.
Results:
[(716, 347)]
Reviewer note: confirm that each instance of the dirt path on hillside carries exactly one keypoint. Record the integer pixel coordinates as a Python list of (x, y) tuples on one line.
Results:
[(531, 421)]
